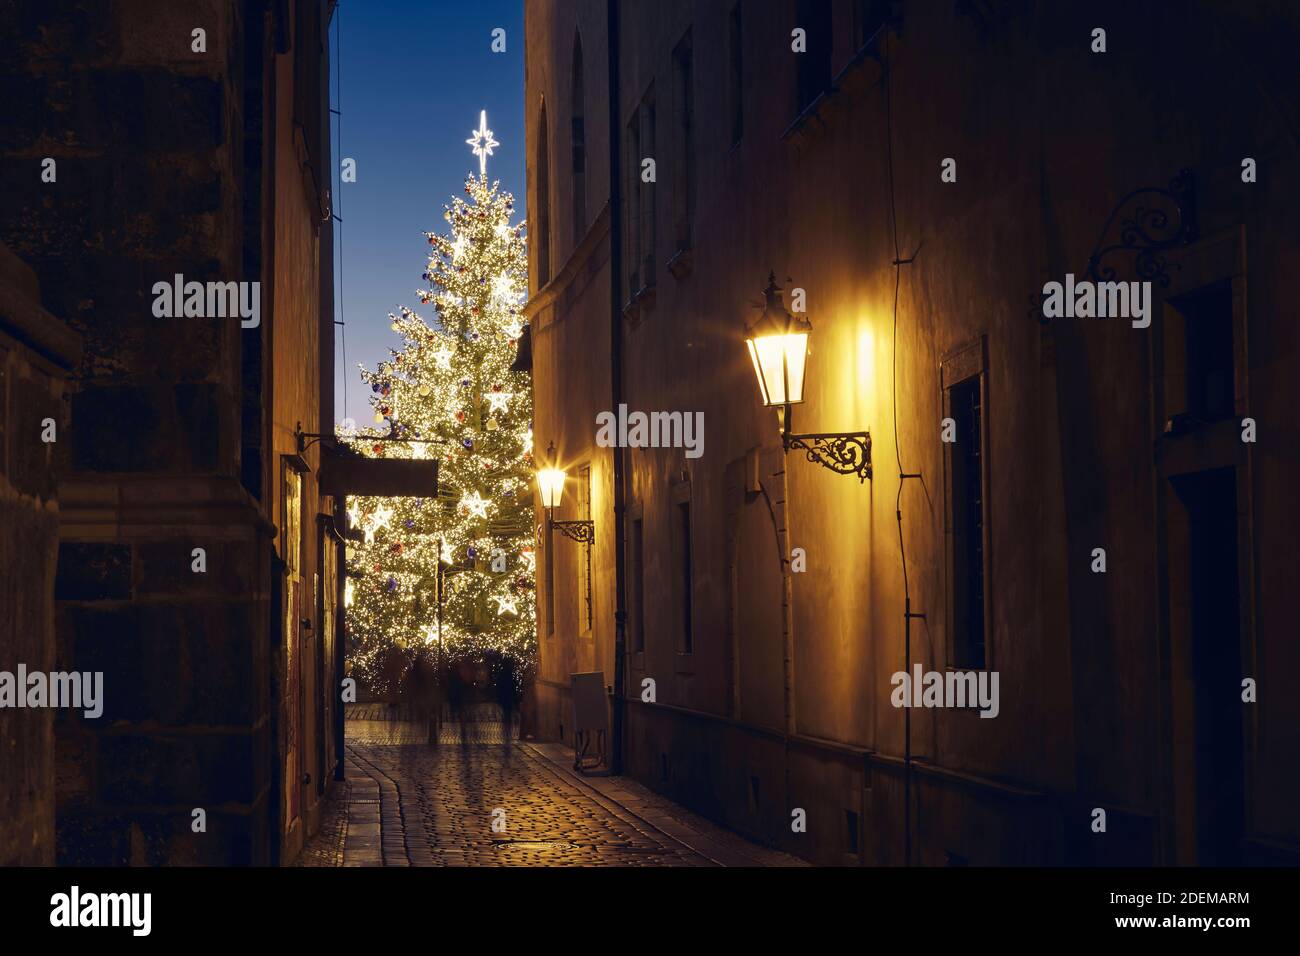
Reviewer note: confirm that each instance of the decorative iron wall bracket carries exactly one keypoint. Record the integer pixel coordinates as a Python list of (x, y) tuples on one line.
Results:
[(582, 531), (1151, 220), (847, 453)]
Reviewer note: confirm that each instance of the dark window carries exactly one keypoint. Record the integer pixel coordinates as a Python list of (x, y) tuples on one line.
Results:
[(967, 503), (684, 120), (638, 585), (815, 62), (578, 135), (686, 584), (541, 234), (735, 89), (1199, 377)]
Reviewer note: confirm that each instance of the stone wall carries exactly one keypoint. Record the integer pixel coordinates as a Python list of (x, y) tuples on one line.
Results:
[(1095, 669), (176, 160), (36, 350)]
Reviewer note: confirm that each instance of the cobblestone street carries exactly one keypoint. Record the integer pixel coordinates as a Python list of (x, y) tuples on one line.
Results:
[(408, 803)]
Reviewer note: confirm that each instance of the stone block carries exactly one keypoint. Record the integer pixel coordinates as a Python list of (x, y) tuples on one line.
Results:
[(171, 664), (193, 769), (166, 567), (32, 400), (93, 571), (57, 31), (154, 428)]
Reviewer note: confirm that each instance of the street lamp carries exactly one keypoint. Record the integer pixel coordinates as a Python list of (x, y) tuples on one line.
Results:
[(778, 347), (550, 483)]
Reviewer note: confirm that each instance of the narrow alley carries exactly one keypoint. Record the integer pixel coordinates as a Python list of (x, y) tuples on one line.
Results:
[(483, 802)]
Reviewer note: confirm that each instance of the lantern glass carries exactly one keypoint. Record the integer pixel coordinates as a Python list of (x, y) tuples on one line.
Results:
[(779, 362), (550, 482)]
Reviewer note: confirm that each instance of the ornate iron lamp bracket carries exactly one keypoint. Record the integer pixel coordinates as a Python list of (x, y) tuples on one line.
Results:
[(847, 453), (583, 531), (1151, 220)]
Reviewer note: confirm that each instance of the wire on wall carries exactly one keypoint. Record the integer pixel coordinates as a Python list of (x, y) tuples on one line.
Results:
[(903, 475)]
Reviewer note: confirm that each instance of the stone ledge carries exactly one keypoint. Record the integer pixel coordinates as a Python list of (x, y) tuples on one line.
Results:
[(23, 317)]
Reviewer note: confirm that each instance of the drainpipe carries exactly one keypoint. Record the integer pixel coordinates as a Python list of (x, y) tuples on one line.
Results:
[(616, 388)]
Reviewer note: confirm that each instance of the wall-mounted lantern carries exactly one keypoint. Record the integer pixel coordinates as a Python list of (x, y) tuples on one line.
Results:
[(550, 483), (778, 347)]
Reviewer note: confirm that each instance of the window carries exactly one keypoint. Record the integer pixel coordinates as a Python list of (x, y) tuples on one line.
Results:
[(542, 233), (578, 137), (815, 62), (966, 503), (684, 145), (637, 580), (583, 567), (735, 88), (686, 581), (1199, 379)]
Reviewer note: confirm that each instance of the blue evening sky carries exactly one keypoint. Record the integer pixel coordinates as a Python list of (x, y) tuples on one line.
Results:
[(414, 75)]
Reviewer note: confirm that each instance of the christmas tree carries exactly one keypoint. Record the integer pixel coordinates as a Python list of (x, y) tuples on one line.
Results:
[(451, 576)]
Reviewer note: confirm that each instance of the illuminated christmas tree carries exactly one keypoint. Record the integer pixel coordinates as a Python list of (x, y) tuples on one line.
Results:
[(450, 390)]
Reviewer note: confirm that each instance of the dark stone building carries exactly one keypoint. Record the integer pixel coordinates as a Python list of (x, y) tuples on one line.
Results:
[(197, 564), (1111, 527), (36, 353)]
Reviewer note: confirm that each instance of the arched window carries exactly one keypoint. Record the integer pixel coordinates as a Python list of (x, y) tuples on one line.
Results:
[(541, 231), (579, 140)]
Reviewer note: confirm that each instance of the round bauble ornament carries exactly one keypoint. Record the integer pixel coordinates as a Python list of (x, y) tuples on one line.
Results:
[(492, 424)]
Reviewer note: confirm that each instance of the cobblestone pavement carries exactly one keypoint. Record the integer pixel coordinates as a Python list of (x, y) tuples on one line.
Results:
[(410, 803)]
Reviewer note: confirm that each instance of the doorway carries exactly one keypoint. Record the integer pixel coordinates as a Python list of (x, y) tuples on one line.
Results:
[(1208, 562)]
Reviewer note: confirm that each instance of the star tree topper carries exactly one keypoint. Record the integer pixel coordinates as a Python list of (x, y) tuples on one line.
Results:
[(482, 142)]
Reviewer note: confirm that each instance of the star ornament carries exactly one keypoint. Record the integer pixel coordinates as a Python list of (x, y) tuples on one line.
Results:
[(475, 504), (506, 605), (503, 289), (498, 401), (482, 142)]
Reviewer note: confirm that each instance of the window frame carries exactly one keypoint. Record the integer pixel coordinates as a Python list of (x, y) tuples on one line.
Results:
[(959, 366)]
